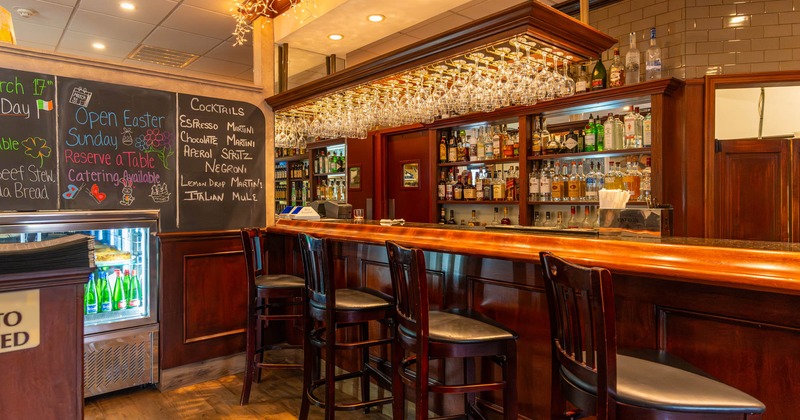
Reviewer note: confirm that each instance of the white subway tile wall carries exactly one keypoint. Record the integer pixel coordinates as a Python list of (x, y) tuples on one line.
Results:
[(699, 37)]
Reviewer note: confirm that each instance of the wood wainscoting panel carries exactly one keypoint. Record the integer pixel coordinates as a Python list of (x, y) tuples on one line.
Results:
[(522, 308), (756, 356), (211, 294), (203, 295)]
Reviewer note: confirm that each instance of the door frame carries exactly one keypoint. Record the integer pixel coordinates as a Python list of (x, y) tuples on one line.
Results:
[(379, 137)]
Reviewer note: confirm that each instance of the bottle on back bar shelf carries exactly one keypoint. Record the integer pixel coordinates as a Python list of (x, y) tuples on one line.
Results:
[(582, 81), (442, 188), (590, 136), (473, 221), (104, 293), (496, 218), (599, 76), (653, 58), (90, 296), (616, 73), (135, 291), (632, 60), (452, 219), (443, 216), (119, 300), (505, 220), (443, 149)]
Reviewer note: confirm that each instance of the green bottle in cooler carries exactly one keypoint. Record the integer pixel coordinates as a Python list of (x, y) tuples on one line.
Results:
[(104, 292), (119, 300), (134, 291), (90, 296)]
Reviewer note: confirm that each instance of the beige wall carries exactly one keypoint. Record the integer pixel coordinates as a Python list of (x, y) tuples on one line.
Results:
[(699, 37), (37, 61)]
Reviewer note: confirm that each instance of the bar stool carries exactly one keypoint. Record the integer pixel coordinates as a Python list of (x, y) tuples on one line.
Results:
[(327, 310), (594, 377), (438, 335), (262, 288)]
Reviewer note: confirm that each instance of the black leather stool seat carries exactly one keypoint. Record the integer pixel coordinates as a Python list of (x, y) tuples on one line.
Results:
[(279, 281), (643, 383), (357, 300), (452, 327)]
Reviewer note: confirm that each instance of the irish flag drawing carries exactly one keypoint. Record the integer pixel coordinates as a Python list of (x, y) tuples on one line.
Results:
[(44, 105)]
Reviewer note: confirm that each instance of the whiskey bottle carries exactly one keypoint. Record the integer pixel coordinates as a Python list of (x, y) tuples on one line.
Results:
[(458, 190), (632, 180), (616, 73), (452, 149), (469, 188), (536, 138), (443, 217), (480, 152), (545, 136), (474, 220), (488, 188), (441, 192), (479, 178), (497, 144), (632, 61), (505, 220), (488, 144), (452, 219), (443, 149), (473, 147), (498, 187), (449, 187)]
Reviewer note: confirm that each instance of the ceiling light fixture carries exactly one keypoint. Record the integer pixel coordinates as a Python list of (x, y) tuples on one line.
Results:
[(376, 18), (246, 11), (335, 37), (99, 46), (127, 6)]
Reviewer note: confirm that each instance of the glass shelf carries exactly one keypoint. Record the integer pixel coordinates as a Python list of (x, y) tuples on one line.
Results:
[(479, 162), (604, 153)]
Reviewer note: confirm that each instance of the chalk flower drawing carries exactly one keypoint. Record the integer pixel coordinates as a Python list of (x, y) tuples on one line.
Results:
[(37, 148), (158, 142)]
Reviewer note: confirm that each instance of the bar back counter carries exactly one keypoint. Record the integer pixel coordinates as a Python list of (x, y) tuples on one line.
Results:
[(728, 307)]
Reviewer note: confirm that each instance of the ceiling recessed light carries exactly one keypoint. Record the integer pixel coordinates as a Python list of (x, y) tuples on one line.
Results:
[(127, 6), (376, 18), (99, 46), (335, 37)]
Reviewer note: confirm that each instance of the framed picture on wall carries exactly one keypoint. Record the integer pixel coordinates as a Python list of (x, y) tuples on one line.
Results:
[(411, 174), (354, 177)]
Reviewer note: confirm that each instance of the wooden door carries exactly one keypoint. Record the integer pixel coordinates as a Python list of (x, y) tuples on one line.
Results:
[(408, 159), (753, 190), (361, 174)]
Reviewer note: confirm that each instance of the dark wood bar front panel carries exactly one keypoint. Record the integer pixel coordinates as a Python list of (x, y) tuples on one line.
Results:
[(727, 325)]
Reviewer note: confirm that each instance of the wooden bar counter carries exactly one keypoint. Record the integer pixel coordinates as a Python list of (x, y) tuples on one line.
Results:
[(729, 307)]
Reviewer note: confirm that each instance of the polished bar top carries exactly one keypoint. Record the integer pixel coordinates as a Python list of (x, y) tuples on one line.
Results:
[(756, 265)]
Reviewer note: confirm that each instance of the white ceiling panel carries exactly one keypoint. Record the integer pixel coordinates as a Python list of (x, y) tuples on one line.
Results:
[(448, 21), (219, 6), (78, 42), (109, 26), (489, 7), (147, 11), (242, 54), (200, 21), (47, 14), (172, 39), (70, 3), (37, 34)]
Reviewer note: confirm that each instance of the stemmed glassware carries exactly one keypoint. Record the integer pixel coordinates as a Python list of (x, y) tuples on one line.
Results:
[(506, 74)]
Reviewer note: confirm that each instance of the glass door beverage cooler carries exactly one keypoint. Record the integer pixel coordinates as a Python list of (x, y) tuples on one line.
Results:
[(121, 297)]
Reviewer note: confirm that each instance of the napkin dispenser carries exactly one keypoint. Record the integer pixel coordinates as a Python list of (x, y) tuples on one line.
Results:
[(652, 222)]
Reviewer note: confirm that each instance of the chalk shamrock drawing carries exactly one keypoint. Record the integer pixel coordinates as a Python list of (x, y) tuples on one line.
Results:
[(158, 142), (37, 148)]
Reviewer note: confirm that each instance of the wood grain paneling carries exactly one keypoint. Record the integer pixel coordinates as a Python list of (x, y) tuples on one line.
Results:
[(410, 203), (203, 296), (764, 356)]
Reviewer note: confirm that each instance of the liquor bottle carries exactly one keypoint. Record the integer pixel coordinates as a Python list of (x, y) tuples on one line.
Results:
[(582, 82), (135, 292), (646, 182), (452, 219), (573, 222), (545, 192), (473, 147), (599, 75), (474, 220), (633, 180), (557, 185), (488, 145), (610, 179), (488, 188), (498, 187), (653, 58), (496, 218), (448, 186), (458, 190), (511, 185), (497, 145), (479, 178), (464, 142), (559, 221), (616, 72), (599, 135), (119, 300), (104, 293), (574, 184), (587, 219), (443, 149), (90, 296), (443, 216), (632, 60), (630, 129), (515, 140), (608, 131), (452, 149), (533, 185), (441, 192), (544, 134), (647, 130), (639, 132), (469, 188), (537, 219), (480, 150), (571, 142), (589, 135), (508, 143), (548, 222), (505, 220), (581, 182), (591, 184)]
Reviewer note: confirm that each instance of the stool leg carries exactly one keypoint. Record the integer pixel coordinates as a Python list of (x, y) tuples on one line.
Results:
[(310, 366), (422, 388), (250, 350), (510, 408), (469, 378), (364, 361), (398, 387), (261, 323), (330, 370)]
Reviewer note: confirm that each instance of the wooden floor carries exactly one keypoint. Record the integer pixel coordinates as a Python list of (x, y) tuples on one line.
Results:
[(276, 397)]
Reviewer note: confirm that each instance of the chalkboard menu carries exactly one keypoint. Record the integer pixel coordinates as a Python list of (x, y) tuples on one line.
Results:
[(28, 153), (221, 164), (117, 148)]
